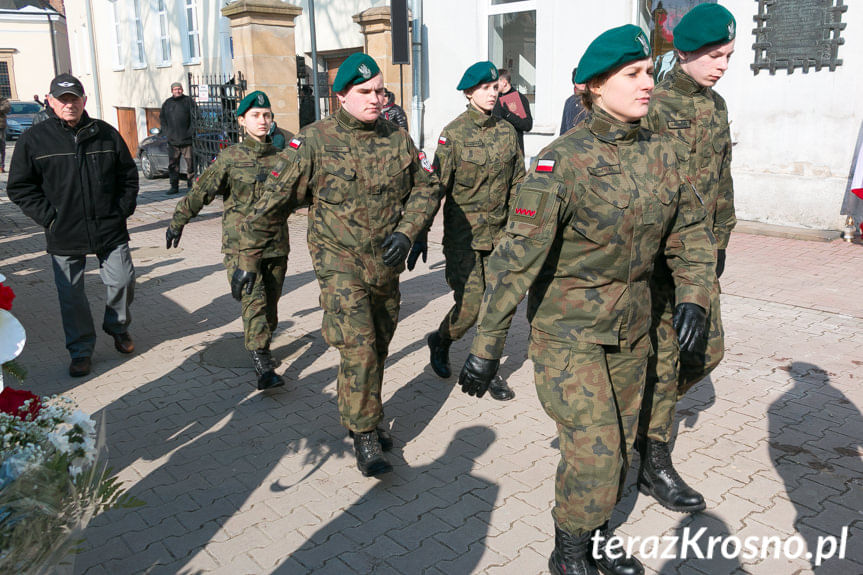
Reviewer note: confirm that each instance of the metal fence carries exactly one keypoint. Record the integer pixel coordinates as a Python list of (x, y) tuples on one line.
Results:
[(214, 115)]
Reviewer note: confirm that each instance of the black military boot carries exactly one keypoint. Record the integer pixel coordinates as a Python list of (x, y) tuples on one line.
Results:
[(499, 390), (657, 477), (571, 555), (622, 565), (439, 347), (174, 178), (383, 436), (267, 376), (370, 457)]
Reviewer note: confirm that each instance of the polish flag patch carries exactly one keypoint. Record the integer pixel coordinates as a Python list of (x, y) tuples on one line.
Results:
[(295, 143), (545, 166), (441, 141)]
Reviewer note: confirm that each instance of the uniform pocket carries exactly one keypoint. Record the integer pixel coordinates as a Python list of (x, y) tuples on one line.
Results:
[(471, 165), (335, 181), (601, 210), (331, 326)]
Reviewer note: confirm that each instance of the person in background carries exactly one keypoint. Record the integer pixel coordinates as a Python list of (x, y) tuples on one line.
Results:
[(573, 110), (686, 108), (175, 120), (237, 175), (513, 107), (393, 112), (479, 165), (597, 207), (83, 207)]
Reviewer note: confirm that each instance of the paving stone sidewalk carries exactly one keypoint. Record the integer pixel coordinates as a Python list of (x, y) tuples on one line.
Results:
[(237, 481)]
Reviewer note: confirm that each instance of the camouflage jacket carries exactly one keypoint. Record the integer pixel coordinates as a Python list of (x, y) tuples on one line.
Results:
[(478, 162), (363, 181), (585, 227), (697, 120), (237, 175)]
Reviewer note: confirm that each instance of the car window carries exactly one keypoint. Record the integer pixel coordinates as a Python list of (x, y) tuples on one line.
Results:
[(24, 108)]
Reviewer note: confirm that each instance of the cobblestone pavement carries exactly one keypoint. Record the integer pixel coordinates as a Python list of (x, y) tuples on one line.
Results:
[(237, 481)]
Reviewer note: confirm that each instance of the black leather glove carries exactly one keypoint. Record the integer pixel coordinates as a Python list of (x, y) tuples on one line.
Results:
[(720, 263), (396, 247), (172, 237), (476, 375), (420, 248), (689, 322), (242, 279)]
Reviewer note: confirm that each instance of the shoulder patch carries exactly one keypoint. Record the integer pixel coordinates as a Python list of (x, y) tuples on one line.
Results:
[(295, 143), (425, 162), (529, 204), (441, 141), (545, 166)]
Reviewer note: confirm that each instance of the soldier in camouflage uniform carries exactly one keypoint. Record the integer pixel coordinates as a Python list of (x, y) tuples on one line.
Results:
[(685, 107), (596, 208), (238, 175), (478, 162), (371, 194)]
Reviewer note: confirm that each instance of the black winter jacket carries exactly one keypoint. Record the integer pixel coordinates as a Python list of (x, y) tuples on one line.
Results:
[(175, 120), (79, 183)]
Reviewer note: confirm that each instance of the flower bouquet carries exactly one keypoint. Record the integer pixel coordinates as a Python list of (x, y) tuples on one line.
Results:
[(53, 475)]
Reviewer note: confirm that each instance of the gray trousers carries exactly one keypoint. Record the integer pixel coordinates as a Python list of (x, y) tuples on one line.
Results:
[(118, 275)]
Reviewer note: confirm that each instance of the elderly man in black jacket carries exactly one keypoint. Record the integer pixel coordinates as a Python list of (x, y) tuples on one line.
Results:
[(74, 176), (175, 119)]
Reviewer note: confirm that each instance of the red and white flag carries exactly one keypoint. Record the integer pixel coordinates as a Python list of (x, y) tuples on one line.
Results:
[(545, 166)]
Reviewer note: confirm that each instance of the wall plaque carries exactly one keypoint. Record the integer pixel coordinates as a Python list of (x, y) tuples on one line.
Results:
[(793, 34)]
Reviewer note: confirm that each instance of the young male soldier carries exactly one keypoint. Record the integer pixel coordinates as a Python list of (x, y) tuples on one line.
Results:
[(371, 194), (238, 175), (685, 107)]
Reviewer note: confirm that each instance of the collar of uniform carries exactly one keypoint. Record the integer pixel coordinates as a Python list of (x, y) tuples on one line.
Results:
[(683, 82), (348, 121), (479, 118), (255, 147), (610, 129)]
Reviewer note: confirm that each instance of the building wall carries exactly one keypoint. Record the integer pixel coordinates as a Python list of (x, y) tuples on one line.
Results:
[(29, 36)]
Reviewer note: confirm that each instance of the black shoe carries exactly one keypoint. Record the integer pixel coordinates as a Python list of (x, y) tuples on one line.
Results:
[(657, 477), (370, 457), (621, 565), (439, 347), (571, 554), (123, 342), (499, 390), (174, 190), (267, 376), (80, 366), (384, 437)]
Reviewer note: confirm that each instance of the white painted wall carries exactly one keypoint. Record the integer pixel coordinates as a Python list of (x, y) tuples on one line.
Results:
[(30, 37)]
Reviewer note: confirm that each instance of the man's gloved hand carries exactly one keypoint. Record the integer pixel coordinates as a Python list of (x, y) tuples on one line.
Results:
[(396, 247), (689, 322), (476, 375), (420, 248), (242, 279), (172, 237), (720, 263)]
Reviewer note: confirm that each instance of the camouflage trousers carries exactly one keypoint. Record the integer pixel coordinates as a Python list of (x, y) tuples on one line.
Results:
[(593, 393), (670, 373), (465, 275), (359, 320), (261, 307)]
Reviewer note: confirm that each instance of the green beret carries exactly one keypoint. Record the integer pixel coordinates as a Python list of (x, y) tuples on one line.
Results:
[(256, 99), (704, 25), (356, 69), (612, 49), (479, 73)]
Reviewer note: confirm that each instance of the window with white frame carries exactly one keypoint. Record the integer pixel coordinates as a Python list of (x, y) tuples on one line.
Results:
[(138, 55), (116, 35), (512, 42), (164, 32), (192, 39)]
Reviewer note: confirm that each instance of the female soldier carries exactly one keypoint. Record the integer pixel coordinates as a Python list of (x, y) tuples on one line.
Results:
[(479, 162), (238, 175), (587, 223), (686, 107)]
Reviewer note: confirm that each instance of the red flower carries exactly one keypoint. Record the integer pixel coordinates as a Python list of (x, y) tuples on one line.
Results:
[(6, 297), (11, 401)]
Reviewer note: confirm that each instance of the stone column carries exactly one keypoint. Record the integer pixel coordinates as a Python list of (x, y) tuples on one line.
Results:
[(264, 51), (377, 39)]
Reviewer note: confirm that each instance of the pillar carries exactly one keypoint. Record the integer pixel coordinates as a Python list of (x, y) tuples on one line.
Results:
[(377, 42)]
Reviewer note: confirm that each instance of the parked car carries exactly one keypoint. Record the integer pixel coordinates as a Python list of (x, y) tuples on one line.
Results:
[(154, 154), (20, 118)]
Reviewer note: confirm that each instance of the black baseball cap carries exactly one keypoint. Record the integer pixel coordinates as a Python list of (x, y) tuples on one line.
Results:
[(66, 84)]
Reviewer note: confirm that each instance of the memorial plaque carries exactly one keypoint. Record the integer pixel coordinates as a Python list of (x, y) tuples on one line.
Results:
[(793, 34)]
